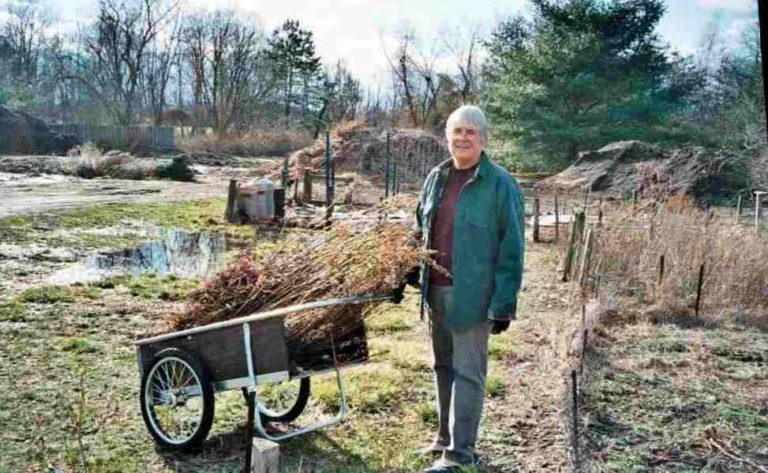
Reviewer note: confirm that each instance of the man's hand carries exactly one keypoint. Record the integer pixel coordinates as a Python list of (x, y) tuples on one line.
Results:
[(397, 294), (498, 326)]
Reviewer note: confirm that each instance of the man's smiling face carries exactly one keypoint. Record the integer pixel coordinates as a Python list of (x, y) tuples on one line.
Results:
[(465, 143)]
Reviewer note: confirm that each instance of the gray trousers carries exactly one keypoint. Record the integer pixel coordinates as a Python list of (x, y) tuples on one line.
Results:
[(460, 364)]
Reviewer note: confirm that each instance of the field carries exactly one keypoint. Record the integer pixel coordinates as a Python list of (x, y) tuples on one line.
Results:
[(659, 394)]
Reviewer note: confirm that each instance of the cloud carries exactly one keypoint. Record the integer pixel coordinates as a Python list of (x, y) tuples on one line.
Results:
[(738, 6)]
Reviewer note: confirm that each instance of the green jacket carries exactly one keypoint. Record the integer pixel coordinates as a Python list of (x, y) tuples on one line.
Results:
[(488, 242)]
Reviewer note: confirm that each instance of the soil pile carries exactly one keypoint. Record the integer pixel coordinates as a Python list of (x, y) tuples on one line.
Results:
[(21, 133), (619, 168), (355, 147)]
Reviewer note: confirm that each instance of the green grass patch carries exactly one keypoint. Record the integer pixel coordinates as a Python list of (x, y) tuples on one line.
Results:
[(12, 311), (152, 287), (49, 294), (494, 386), (78, 345)]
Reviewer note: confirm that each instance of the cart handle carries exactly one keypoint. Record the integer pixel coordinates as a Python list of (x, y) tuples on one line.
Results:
[(258, 316)]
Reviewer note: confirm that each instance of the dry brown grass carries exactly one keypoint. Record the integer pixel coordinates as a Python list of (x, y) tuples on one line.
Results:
[(257, 143), (736, 260), (342, 264)]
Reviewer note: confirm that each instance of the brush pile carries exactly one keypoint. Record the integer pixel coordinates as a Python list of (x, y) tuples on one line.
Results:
[(342, 264)]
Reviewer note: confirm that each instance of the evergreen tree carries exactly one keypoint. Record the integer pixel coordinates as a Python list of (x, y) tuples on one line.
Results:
[(581, 74), (292, 53)]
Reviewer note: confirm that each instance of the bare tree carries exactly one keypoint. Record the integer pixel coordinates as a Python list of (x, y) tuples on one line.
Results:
[(117, 45), (25, 37), (160, 59), (224, 54), (463, 44), (403, 73)]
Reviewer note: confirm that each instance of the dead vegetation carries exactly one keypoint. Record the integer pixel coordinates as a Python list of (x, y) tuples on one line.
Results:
[(664, 388), (735, 260), (256, 143), (341, 264)]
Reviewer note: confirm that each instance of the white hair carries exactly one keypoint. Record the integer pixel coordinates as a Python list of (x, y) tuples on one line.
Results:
[(468, 115)]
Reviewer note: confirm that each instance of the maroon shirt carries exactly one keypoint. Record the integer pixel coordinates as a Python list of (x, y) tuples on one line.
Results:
[(442, 239)]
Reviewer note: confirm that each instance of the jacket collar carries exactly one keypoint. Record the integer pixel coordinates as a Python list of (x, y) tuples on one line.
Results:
[(483, 166)]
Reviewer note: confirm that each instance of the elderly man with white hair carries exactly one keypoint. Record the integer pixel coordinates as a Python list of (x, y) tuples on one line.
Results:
[(471, 215)]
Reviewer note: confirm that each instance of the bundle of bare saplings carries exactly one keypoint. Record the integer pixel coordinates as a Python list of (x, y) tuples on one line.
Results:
[(341, 264)]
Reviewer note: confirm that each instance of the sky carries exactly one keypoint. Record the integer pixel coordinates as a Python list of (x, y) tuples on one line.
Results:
[(359, 31)]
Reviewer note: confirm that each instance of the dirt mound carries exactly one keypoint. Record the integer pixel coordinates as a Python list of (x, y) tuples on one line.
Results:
[(619, 168), (355, 147), (21, 133)]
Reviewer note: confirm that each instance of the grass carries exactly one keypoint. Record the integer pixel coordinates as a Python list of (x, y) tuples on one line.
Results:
[(650, 406), (665, 390), (151, 286), (74, 226), (49, 294)]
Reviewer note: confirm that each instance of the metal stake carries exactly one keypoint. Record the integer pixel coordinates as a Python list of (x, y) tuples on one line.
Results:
[(698, 288)]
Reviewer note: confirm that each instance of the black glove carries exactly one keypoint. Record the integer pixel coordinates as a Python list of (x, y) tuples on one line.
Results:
[(397, 294), (498, 326), (412, 278)]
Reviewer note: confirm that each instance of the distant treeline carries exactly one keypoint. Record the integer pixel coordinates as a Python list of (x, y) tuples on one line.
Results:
[(573, 76)]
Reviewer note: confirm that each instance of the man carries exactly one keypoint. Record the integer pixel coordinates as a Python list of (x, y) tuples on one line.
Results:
[(471, 215)]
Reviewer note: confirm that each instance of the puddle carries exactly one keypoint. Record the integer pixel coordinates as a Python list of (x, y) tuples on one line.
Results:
[(175, 252)]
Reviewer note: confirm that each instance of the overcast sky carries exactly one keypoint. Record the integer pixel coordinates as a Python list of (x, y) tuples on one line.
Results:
[(357, 30)]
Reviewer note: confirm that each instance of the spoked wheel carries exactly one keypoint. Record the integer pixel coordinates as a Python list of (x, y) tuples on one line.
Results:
[(283, 402), (177, 400)]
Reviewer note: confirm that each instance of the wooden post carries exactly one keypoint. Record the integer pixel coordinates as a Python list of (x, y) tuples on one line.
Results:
[(250, 399), (576, 229), (586, 255), (661, 270), (307, 186), (557, 220), (758, 209), (535, 217), (600, 213), (738, 210), (634, 199), (698, 288), (231, 200), (583, 350), (265, 457)]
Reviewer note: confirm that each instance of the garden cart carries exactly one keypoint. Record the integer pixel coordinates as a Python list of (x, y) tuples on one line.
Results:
[(181, 371)]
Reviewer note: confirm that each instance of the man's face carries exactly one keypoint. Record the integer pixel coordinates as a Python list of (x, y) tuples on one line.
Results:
[(465, 143)]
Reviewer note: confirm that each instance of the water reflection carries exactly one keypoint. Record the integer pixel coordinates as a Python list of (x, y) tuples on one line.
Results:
[(176, 252)]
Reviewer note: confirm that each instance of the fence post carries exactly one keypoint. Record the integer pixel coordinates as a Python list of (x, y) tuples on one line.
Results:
[(576, 229), (307, 186), (600, 213), (536, 216), (575, 409), (557, 220), (586, 255), (698, 288), (738, 209), (758, 209), (231, 199), (661, 270), (386, 169), (328, 185)]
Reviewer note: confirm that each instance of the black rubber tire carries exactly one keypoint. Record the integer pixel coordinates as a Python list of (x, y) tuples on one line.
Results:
[(206, 420), (295, 411)]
